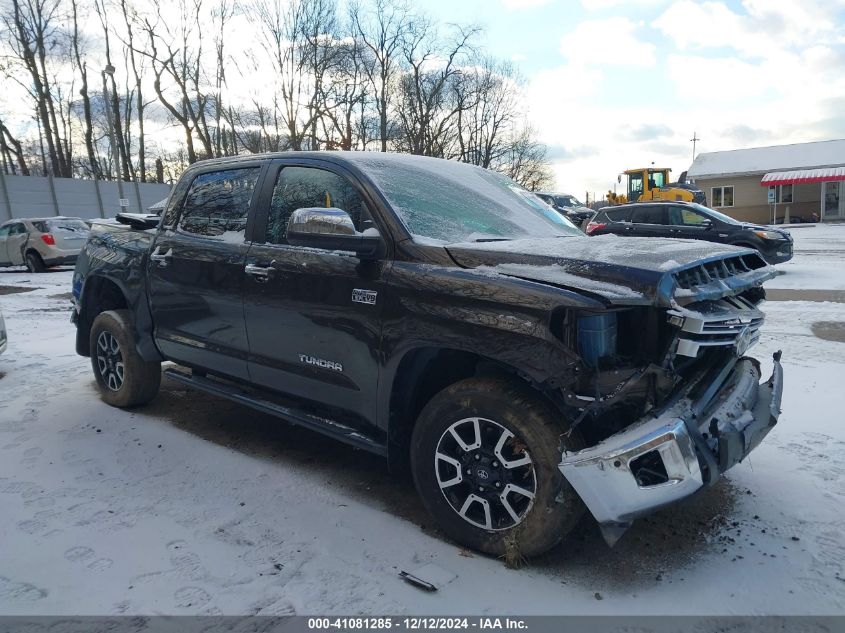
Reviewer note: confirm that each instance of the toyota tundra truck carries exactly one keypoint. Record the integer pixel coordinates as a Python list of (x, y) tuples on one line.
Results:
[(442, 316)]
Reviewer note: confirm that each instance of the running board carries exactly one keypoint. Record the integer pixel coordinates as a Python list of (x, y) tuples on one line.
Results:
[(334, 429)]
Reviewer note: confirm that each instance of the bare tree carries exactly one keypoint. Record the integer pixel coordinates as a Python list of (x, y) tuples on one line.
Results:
[(382, 29), (428, 112), (33, 35), (525, 161), (87, 118), (177, 55), (130, 19), (11, 152)]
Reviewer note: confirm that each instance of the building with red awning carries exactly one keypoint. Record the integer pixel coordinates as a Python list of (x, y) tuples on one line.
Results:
[(797, 182)]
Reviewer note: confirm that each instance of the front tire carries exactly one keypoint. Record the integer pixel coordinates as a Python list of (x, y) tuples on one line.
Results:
[(34, 263), (124, 378), (485, 455)]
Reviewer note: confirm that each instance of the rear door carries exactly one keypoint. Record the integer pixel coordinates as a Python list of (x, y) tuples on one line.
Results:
[(618, 220), (195, 271), (313, 316), (649, 220)]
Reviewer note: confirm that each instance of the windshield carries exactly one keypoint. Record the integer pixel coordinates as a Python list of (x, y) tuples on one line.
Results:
[(452, 202), (715, 214), (568, 201)]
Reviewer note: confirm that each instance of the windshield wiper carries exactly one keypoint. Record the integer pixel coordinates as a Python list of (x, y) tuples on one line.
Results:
[(492, 239)]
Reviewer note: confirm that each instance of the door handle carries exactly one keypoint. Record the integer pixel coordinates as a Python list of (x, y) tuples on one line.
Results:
[(261, 273), (162, 259)]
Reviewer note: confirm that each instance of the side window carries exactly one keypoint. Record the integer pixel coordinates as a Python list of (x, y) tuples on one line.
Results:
[(174, 203), (218, 202), (681, 216), (4, 231), (17, 229), (618, 215), (302, 187), (649, 215)]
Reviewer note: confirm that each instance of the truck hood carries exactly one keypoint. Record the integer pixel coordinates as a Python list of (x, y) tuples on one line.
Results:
[(619, 270)]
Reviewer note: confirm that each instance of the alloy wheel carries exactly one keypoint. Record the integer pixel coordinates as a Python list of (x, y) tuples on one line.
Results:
[(486, 473), (110, 360)]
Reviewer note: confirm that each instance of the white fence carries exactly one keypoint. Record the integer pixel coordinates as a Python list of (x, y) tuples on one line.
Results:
[(37, 196)]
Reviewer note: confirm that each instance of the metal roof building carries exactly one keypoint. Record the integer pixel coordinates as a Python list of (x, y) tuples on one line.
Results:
[(783, 182)]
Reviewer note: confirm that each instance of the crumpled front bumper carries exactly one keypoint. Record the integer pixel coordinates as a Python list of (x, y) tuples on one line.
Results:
[(659, 460)]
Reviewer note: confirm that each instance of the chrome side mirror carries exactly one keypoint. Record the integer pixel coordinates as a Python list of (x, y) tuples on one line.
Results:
[(330, 229)]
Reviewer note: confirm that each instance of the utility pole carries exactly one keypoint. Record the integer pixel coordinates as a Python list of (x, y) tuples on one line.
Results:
[(694, 140), (109, 70)]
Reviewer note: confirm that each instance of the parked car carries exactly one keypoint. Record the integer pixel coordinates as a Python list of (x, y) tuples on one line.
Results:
[(439, 315), (4, 339), (689, 220), (567, 205), (40, 243)]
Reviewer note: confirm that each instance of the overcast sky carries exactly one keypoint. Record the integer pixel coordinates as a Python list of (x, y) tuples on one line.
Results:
[(615, 85)]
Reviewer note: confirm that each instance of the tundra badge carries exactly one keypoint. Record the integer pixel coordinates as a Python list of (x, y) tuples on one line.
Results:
[(319, 362), (364, 296)]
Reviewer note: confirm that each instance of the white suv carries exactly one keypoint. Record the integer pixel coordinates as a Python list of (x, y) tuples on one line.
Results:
[(39, 243)]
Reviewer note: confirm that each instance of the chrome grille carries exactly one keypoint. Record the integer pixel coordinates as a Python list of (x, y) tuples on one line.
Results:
[(729, 322)]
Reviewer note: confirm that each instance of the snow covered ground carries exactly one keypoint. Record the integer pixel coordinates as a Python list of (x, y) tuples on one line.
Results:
[(195, 505)]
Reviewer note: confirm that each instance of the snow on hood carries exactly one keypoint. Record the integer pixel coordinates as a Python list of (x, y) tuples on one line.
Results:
[(618, 269)]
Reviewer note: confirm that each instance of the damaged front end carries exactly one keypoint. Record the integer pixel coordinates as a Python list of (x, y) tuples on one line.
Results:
[(669, 402)]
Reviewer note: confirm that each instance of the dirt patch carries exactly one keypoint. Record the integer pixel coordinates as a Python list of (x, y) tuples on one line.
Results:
[(13, 290), (830, 330), (807, 294), (63, 295)]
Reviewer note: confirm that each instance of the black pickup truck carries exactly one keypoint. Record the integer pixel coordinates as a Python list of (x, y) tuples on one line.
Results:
[(440, 315)]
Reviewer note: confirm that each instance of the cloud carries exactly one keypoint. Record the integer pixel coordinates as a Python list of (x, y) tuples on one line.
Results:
[(562, 154), (609, 42), (598, 5), (515, 5), (648, 132)]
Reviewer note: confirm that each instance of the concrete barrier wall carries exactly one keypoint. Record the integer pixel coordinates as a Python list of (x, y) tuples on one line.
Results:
[(35, 196)]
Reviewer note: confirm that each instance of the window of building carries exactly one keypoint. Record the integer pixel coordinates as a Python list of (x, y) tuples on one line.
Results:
[(303, 187), (783, 193), (218, 202), (722, 196)]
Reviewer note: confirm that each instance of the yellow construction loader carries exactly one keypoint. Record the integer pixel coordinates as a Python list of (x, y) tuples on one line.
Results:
[(652, 183)]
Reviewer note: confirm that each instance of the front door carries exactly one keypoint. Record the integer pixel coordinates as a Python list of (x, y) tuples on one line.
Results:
[(4, 237), (313, 315), (690, 224), (833, 200), (196, 272), (12, 244)]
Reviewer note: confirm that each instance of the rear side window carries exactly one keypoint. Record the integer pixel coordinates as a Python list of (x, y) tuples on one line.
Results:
[(217, 204), (649, 215), (17, 229), (618, 215), (302, 187)]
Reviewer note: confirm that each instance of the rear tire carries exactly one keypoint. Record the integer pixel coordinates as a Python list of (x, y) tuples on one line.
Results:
[(34, 263), (501, 442), (124, 378)]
